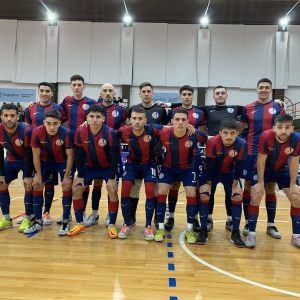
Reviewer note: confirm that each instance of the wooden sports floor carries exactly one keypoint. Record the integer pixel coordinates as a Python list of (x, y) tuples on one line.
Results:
[(91, 266)]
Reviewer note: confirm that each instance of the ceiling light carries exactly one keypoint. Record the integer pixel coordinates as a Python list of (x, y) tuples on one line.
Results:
[(127, 20), (204, 22), (283, 24), (52, 18)]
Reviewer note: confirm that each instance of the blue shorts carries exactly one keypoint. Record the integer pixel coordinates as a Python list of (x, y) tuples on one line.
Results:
[(12, 168), (282, 177), (134, 171), (169, 175), (52, 179), (91, 173), (250, 171), (52, 169)]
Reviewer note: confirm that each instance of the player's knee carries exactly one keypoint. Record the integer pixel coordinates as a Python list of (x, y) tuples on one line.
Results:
[(256, 198), (126, 188), (150, 189), (295, 199), (3, 187)]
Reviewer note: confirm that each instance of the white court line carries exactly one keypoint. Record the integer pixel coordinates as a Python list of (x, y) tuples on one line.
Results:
[(16, 198), (203, 262)]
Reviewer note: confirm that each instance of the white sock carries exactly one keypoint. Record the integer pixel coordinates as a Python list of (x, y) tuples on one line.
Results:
[(171, 215), (210, 217), (161, 226), (295, 235), (189, 227), (270, 224), (252, 233), (7, 216), (229, 218)]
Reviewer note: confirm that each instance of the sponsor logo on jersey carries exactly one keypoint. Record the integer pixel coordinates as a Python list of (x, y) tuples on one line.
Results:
[(102, 142), (19, 142), (115, 113)]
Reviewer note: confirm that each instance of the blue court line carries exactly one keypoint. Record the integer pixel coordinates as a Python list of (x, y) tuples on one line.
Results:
[(173, 298), (169, 245), (171, 267), (172, 282), (170, 254), (32, 234)]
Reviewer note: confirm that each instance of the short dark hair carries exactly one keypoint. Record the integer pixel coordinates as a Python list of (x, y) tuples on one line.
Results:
[(229, 123), (10, 106), (77, 77), (179, 111), (187, 88), (96, 109), (52, 113), (143, 84), (46, 84), (264, 80), (138, 109), (285, 118), (220, 87)]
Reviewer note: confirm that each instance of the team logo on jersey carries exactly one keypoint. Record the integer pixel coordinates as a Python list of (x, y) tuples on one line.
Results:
[(188, 144), (288, 150), (102, 142), (233, 153), (161, 175), (147, 138), (155, 115), (115, 113), (19, 142), (196, 116), (272, 111), (230, 110), (85, 106), (59, 142)]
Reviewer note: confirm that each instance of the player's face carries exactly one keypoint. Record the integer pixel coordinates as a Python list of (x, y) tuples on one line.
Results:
[(95, 119), (45, 93), (107, 93), (283, 131), (52, 125), (146, 94), (264, 91), (220, 96), (9, 118), (77, 87), (228, 136), (138, 121), (186, 98), (180, 122)]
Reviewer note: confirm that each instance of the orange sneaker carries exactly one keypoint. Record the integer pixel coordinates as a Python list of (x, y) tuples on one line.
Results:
[(79, 228), (112, 231)]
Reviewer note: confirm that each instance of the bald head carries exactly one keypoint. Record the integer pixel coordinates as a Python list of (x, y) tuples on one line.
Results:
[(107, 93)]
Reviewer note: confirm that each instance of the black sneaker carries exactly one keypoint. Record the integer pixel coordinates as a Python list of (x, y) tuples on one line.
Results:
[(228, 225), (246, 230), (196, 226), (132, 221), (202, 237), (169, 224), (236, 239)]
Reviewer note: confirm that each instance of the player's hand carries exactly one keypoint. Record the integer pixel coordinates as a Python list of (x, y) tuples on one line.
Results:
[(190, 129), (2, 179), (164, 104), (28, 183), (37, 182), (295, 189), (281, 103), (84, 124), (32, 103), (236, 193), (112, 186), (67, 183), (78, 181), (205, 191)]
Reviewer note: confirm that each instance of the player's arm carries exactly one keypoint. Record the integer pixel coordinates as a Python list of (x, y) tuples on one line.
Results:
[(240, 163), (36, 153), (63, 111), (2, 171), (294, 164), (27, 116)]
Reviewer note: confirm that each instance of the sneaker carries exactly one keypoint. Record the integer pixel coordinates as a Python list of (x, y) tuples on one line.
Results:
[(60, 220), (190, 237), (77, 229), (35, 227), (132, 221), (156, 224), (124, 232), (159, 236), (169, 224), (148, 233), (91, 220), (250, 241), (210, 224), (295, 241), (273, 232), (112, 231), (228, 225), (246, 230), (107, 220), (202, 237), (20, 219), (5, 223), (47, 219), (236, 239), (196, 226), (26, 223), (63, 230)]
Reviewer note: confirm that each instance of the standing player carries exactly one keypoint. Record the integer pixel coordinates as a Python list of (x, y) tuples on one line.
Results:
[(15, 138), (178, 165), (97, 152), (277, 162), (225, 157), (52, 147), (260, 116)]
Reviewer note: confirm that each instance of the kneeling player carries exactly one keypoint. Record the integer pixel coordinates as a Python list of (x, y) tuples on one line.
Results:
[(278, 161)]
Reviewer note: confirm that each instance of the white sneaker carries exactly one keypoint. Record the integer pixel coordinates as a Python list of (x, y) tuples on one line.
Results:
[(63, 230), (295, 241), (246, 230), (123, 234), (47, 219), (33, 228), (250, 241), (91, 220), (273, 232), (60, 220)]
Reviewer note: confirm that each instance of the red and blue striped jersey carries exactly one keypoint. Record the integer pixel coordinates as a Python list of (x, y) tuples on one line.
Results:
[(179, 151), (99, 148), (53, 148), (34, 115), (259, 117), (15, 144), (141, 148), (225, 159), (74, 111), (115, 115), (277, 153), (195, 116)]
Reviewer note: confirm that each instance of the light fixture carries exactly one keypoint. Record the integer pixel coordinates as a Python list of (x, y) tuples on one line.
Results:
[(283, 24), (127, 20), (52, 18), (204, 22)]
